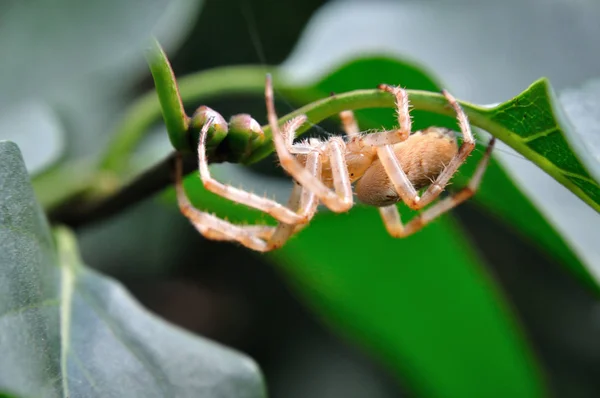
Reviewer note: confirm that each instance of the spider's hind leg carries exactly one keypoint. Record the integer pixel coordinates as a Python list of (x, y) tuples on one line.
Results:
[(391, 216), (464, 151)]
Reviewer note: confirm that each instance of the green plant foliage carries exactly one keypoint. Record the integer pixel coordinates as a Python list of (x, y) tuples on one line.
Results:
[(422, 303), (531, 123), (498, 194), (534, 127), (69, 331), (385, 291)]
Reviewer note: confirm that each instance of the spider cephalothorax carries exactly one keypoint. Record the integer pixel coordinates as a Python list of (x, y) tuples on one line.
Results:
[(385, 167)]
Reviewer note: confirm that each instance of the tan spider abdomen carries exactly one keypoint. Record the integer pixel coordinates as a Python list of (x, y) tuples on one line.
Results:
[(422, 156)]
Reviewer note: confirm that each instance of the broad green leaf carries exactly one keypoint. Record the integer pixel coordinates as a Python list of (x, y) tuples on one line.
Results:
[(66, 330), (423, 305), (534, 125)]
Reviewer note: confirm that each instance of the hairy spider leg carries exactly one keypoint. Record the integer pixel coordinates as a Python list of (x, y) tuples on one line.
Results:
[(209, 225), (386, 154), (402, 184), (257, 237), (349, 123), (261, 238), (340, 199), (467, 146), (404, 129), (391, 216), (276, 210)]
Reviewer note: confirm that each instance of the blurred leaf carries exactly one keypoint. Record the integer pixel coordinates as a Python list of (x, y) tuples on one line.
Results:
[(176, 22), (62, 51), (582, 107), (36, 128), (69, 331), (46, 44)]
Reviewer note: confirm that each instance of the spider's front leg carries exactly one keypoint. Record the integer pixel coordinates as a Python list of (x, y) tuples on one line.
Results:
[(467, 146), (261, 238), (256, 237), (338, 200), (385, 151), (276, 210), (210, 225)]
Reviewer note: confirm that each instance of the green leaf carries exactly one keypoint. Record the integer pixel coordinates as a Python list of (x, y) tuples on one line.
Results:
[(534, 125), (69, 331), (423, 305)]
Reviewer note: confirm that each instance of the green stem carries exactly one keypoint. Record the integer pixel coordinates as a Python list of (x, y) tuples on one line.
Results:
[(176, 121), (147, 110), (104, 203), (251, 79)]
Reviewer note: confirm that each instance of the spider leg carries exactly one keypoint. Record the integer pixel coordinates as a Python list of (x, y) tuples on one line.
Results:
[(263, 232), (301, 199), (401, 182), (464, 151), (274, 209), (398, 177), (384, 140), (288, 131), (209, 225), (400, 134), (261, 238), (339, 200), (349, 123), (391, 216)]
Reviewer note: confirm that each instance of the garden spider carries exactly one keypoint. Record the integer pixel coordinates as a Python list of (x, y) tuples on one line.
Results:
[(385, 167)]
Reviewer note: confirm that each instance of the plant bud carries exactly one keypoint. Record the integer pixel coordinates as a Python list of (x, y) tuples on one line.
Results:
[(244, 123), (244, 131), (218, 129)]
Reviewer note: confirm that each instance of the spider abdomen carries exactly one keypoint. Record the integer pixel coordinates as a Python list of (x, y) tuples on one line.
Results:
[(422, 157)]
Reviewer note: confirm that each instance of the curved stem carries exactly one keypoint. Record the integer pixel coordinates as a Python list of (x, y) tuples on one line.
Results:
[(176, 121), (250, 79), (147, 110)]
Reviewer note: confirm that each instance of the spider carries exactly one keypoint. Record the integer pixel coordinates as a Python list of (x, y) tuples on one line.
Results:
[(385, 167)]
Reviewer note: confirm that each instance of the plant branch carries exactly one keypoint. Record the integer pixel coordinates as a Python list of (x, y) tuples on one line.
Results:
[(146, 111), (99, 206)]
